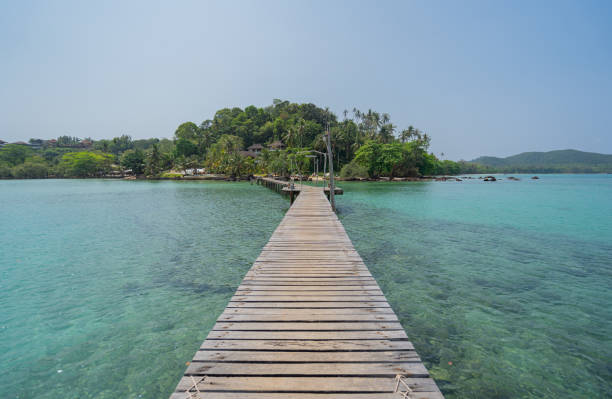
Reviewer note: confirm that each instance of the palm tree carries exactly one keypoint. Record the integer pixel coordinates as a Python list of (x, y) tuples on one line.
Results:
[(358, 117), (301, 124), (289, 137), (386, 134), (407, 134)]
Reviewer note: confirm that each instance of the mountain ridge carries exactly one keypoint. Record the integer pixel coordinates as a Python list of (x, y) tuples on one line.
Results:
[(558, 160)]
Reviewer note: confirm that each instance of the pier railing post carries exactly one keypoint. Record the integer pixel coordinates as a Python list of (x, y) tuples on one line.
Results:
[(332, 199)]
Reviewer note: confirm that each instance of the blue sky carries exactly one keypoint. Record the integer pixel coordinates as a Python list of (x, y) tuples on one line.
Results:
[(482, 77)]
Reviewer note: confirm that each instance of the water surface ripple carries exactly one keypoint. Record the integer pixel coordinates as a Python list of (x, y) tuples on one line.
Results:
[(108, 287)]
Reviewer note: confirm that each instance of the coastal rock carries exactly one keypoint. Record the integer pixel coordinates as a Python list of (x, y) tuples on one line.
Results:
[(490, 178), (535, 178)]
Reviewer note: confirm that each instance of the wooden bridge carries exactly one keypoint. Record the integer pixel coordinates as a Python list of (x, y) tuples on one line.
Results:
[(284, 187), (307, 322)]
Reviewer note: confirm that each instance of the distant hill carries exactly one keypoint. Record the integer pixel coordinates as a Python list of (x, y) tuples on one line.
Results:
[(552, 161)]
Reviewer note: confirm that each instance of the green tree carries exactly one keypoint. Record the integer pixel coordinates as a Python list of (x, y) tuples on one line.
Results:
[(153, 161), (185, 148), (187, 131), (31, 170), (14, 154), (120, 144), (379, 159), (68, 141), (85, 164), (5, 171), (134, 160), (353, 171)]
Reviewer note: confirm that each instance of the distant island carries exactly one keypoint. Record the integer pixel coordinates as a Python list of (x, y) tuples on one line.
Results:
[(282, 139), (560, 161)]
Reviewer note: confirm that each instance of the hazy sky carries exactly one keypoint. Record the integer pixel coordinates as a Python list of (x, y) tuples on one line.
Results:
[(482, 77)]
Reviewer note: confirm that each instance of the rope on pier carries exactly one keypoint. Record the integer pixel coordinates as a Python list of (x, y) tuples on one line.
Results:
[(408, 391), (196, 394)]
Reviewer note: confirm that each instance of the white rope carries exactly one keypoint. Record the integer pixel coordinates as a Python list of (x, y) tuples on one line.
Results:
[(196, 394), (399, 379)]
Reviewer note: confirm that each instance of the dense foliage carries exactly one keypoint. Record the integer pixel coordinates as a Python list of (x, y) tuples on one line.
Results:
[(292, 136)]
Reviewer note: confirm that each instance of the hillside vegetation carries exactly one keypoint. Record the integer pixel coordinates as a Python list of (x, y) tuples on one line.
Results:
[(278, 139), (561, 161)]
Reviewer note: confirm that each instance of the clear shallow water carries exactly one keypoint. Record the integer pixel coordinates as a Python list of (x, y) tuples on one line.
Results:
[(116, 283), (509, 281)]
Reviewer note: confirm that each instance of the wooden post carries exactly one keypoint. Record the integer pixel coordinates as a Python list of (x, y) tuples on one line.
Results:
[(332, 198)]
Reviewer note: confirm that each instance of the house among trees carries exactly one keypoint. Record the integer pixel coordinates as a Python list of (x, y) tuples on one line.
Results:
[(256, 148), (36, 144), (249, 154), (276, 145)]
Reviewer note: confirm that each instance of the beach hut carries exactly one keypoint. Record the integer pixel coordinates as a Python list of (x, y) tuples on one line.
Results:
[(276, 145), (248, 154), (255, 148)]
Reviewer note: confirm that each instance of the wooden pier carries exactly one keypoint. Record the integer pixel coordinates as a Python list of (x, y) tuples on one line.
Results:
[(307, 322), (284, 187)]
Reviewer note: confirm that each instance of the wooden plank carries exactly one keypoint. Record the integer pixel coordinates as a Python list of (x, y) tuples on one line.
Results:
[(307, 345), (286, 317), (309, 311), (309, 304), (294, 289), (307, 384), (308, 335), (307, 369), (302, 298), (301, 395), (309, 294), (314, 326), (311, 357)]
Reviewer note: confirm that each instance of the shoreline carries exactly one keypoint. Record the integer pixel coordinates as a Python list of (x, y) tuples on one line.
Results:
[(213, 177)]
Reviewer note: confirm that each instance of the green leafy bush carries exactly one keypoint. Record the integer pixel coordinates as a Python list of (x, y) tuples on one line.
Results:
[(5, 171), (31, 170), (168, 175), (353, 171)]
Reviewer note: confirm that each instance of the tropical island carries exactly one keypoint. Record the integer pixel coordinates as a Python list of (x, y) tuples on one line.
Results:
[(275, 140)]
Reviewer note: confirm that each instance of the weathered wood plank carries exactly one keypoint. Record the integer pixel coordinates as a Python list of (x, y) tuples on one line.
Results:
[(302, 298), (301, 395), (307, 369), (300, 288), (304, 314), (290, 317), (315, 326), (309, 304), (299, 357), (308, 335), (307, 384), (307, 345)]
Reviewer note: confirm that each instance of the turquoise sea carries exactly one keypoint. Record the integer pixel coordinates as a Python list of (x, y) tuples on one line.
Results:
[(108, 287)]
